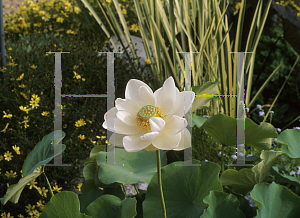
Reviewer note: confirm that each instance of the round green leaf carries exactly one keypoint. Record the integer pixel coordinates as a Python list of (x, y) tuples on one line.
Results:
[(96, 149), (222, 205), (275, 201), (292, 138), (138, 166), (259, 136), (64, 204), (110, 206), (241, 181), (90, 173), (43, 152), (244, 180), (184, 188), (87, 198), (223, 129), (253, 158)]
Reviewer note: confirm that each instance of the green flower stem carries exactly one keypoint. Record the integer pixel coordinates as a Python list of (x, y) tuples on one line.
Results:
[(160, 185), (137, 191), (222, 163), (124, 190), (49, 185)]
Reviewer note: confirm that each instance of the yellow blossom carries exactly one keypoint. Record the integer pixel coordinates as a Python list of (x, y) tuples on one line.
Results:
[(34, 103), (22, 86), (70, 32), (79, 186), (77, 9), (11, 174), (43, 191), (10, 49), (36, 98), (21, 77), (40, 204), (60, 19), (80, 122), (16, 149), (7, 115), (32, 184), (36, 213), (147, 61), (11, 64), (1, 157), (3, 69), (26, 120), (55, 188), (29, 209), (24, 109), (45, 113), (8, 214), (134, 28), (33, 66), (76, 75), (124, 11), (8, 156), (81, 137), (26, 125)]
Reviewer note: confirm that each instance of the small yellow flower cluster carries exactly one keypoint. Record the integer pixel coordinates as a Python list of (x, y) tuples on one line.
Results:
[(42, 12), (43, 191)]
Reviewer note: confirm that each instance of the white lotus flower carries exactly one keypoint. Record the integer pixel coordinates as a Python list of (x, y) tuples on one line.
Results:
[(150, 121)]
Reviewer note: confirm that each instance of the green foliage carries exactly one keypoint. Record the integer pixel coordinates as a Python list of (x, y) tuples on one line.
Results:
[(281, 52)]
